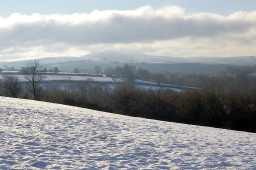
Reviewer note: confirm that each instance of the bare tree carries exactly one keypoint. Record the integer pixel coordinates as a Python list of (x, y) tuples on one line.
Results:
[(12, 86), (97, 69), (129, 74), (56, 70), (143, 73), (76, 70), (34, 74)]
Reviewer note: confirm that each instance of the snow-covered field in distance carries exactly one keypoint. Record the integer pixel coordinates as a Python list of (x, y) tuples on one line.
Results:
[(141, 84), (60, 77), (43, 135)]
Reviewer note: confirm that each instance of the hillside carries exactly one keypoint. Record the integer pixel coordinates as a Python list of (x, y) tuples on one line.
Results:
[(43, 135), (195, 65)]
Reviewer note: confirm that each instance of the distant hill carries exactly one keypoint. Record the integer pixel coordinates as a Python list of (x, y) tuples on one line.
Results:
[(151, 62)]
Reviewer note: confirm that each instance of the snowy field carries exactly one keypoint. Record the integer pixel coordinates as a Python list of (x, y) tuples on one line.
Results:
[(52, 136), (143, 84), (68, 78)]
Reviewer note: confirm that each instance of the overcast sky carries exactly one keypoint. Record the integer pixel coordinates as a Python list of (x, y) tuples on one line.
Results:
[(181, 28)]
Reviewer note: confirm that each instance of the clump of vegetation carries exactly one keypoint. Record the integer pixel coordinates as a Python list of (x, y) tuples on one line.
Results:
[(206, 107)]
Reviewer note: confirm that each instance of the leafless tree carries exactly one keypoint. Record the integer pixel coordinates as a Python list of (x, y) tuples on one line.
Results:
[(143, 73), (56, 70), (76, 70), (97, 69), (129, 74), (12, 86), (33, 72)]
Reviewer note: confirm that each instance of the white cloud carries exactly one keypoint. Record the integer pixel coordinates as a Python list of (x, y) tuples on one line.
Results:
[(165, 31)]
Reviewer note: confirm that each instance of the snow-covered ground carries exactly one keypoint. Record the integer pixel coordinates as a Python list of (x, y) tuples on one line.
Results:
[(141, 84), (51, 136), (60, 77), (156, 88)]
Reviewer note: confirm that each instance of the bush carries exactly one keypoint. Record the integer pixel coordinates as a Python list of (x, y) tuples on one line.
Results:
[(11, 86), (148, 104), (241, 112)]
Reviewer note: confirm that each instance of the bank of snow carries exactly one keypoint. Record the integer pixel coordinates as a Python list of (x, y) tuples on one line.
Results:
[(52, 136)]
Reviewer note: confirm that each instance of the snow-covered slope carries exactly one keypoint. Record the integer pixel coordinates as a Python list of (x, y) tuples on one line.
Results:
[(52, 136)]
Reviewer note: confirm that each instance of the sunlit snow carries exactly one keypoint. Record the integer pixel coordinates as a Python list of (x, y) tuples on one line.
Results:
[(51, 136)]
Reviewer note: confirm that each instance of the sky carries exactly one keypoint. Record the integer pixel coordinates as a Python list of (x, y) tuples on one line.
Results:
[(32, 29)]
